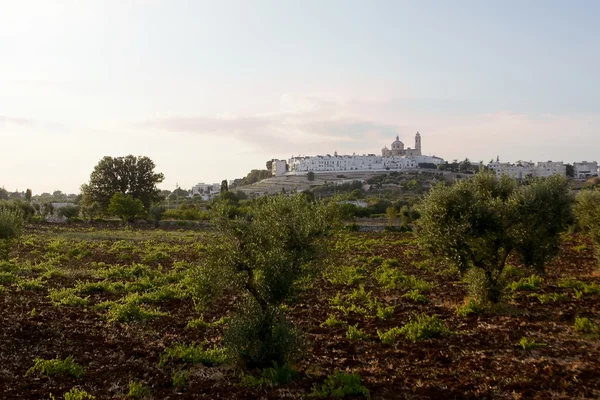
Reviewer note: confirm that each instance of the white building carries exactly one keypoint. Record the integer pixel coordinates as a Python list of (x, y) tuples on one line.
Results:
[(278, 167), (524, 169), (391, 160), (584, 169), (206, 188)]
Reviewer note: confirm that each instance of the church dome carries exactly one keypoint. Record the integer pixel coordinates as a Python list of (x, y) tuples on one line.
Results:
[(397, 145)]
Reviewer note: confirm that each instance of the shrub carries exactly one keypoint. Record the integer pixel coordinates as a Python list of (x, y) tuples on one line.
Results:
[(527, 344), (137, 390), (66, 297), (332, 321), (585, 325), (274, 375), (549, 297), (56, 367), (422, 327), (180, 378), (194, 354), (75, 394), (345, 275), (355, 333), (416, 296), (340, 385), (385, 312), (390, 336), (470, 306), (531, 283), (130, 311)]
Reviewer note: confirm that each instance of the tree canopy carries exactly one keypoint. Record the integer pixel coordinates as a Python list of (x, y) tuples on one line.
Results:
[(129, 175)]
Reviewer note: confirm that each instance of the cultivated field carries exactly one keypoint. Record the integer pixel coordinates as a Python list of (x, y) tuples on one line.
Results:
[(120, 303)]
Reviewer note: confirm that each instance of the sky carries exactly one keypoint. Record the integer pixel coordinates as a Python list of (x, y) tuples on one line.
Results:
[(210, 90)]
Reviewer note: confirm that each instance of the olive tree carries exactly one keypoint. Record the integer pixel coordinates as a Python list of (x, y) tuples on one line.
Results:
[(587, 212), (477, 223), (11, 227), (259, 256)]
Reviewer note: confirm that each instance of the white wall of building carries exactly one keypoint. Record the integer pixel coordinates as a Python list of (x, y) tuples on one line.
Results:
[(523, 170), (585, 169), (278, 167), (362, 163)]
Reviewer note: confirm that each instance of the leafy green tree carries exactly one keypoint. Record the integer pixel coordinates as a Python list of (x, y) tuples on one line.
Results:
[(269, 165), (91, 211), (260, 255), (69, 212), (224, 186), (126, 207), (156, 213), (129, 175), (28, 195), (477, 223), (310, 176), (11, 227), (3, 194)]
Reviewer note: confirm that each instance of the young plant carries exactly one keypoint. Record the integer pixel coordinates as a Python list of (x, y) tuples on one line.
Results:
[(194, 354), (137, 390), (527, 344), (355, 333), (340, 385), (470, 306), (389, 337), (332, 322), (422, 327), (531, 283), (56, 367), (585, 325)]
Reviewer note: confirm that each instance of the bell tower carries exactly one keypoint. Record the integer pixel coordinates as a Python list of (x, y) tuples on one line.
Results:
[(418, 142)]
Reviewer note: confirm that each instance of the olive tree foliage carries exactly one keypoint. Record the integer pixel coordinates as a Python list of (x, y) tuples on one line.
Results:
[(11, 227), (477, 223), (129, 175), (587, 212), (259, 255), (69, 212)]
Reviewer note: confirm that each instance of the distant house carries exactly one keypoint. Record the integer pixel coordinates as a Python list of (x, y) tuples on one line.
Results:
[(584, 169)]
